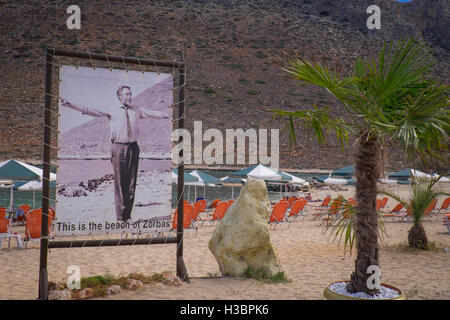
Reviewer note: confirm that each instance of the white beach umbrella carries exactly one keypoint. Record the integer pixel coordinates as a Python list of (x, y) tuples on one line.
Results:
[(206, 180), (295, 179), (334, 181), (34, 186), (264, 173), (18, 170), (420, 174), (259, 171), (189, 180)]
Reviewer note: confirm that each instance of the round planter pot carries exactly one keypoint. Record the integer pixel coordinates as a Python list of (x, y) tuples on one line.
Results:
[(331, 295)]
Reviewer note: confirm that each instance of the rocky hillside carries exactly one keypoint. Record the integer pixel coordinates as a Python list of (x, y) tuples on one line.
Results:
[(235, 51)]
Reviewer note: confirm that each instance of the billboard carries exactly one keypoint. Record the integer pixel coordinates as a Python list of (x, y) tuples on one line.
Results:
[(114, 151)]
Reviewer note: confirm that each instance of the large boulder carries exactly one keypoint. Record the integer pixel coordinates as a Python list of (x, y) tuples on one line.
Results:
[(242, 239)]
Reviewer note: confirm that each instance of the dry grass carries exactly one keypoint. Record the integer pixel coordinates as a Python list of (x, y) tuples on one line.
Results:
[(99, 284)]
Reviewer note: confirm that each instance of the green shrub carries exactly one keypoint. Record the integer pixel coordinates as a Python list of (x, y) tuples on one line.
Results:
[(263, 276), (94, 281)]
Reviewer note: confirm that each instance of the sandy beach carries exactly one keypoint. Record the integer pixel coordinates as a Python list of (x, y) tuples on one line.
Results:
[(309, 259)]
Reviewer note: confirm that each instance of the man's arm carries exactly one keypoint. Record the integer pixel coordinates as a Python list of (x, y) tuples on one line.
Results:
[(85, 110), (146, 113)]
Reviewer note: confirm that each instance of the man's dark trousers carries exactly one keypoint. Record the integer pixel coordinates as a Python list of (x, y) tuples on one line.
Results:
[(125, 160)]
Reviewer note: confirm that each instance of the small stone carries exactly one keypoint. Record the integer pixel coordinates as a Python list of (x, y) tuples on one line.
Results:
[(60, 295), (114, 289), (134, 284), (171, 280), (86, 293)]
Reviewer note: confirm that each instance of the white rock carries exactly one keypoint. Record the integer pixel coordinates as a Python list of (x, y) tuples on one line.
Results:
[(171, 280), (134, 284), (86, 293), (242, 238), (114, 289), (385, 292)]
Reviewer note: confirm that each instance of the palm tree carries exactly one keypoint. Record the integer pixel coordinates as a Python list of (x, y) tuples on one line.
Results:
[(422, 194), (386, 99)]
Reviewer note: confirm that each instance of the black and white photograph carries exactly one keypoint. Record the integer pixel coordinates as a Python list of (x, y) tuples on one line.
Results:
[(114, 157)]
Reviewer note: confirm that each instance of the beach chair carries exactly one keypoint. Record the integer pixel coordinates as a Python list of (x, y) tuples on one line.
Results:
[(188, 224), (291, 201), (25, 209), (277, 216), (303, 199), (203, 205), (395, 213), (215, 203), (384, 203), (297, 209), (346, 207), (381, 203), (324, 204), (218, 214), (334, 209), (444, 206), (428, 212), (33, 226), (408, 215), (322, 208), (447, 222), (197, 210), (5, 230)]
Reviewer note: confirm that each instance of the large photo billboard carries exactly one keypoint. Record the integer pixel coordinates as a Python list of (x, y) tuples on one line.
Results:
[(114, 151)]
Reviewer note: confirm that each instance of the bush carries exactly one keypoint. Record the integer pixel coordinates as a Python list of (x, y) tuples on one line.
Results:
[(100, 283), (95, 281), (263, 276)]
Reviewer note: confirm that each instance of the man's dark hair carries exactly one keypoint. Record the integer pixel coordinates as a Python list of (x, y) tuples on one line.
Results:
[(120, 89)]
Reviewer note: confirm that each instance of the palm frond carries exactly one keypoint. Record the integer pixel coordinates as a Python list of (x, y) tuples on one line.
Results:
[(341, 226), (318, 74), (317, 122), (389, 94)]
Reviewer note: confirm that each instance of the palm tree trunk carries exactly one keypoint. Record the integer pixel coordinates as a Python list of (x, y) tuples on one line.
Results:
[(417, 237), (367, 171)]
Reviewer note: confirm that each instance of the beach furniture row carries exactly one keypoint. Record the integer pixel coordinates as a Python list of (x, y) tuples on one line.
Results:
[(32, 219)]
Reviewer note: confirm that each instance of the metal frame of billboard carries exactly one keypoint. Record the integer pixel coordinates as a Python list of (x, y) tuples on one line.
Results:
[(45, 242)]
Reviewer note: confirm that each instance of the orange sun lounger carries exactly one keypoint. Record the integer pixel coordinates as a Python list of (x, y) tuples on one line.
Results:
[(277, 216), (218, 214), (297, 208)]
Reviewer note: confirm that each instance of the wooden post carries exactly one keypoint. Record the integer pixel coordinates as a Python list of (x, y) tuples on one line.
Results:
[(43, 274), (181, 268)]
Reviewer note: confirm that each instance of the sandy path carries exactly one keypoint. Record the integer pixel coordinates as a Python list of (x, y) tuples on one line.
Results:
[(308, 258)]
